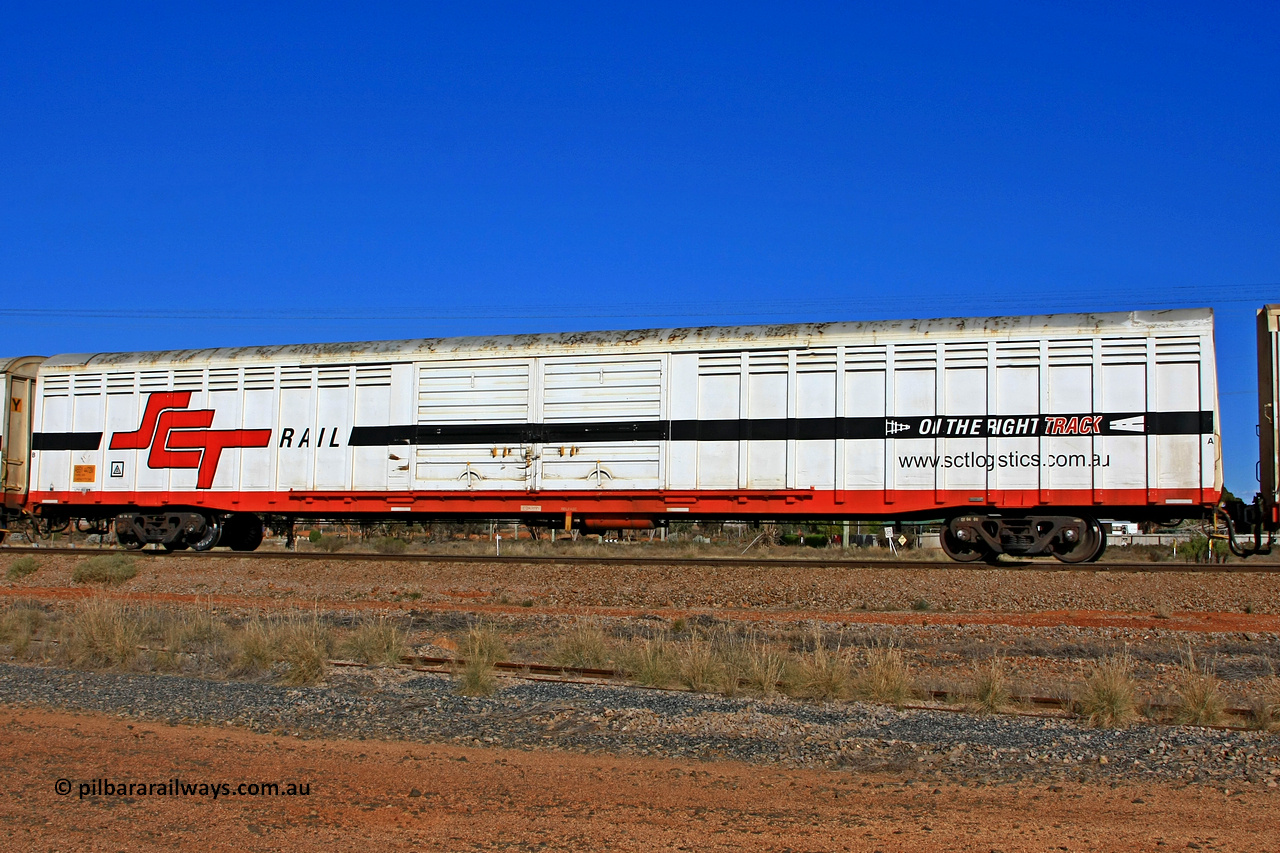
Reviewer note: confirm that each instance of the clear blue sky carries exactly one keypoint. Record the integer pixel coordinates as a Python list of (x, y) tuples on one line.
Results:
[(177, 176)]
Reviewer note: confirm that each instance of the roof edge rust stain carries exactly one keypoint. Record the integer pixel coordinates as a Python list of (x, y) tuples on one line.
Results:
[(699, 338)]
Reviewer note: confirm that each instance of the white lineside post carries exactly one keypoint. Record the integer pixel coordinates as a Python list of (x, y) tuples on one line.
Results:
[(844, 534), (497, 545)]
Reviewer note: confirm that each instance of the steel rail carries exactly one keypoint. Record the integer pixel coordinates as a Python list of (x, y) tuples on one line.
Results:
[(943, 700), (727, 562), (955, 701)]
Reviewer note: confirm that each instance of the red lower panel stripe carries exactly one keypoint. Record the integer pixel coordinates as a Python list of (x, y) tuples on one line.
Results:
[(799, 503)]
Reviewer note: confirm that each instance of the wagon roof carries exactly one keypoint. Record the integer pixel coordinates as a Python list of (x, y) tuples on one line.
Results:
[(1128, 323)]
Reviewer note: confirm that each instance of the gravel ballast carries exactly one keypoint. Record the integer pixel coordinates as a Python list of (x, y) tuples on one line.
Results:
[(917, 744)]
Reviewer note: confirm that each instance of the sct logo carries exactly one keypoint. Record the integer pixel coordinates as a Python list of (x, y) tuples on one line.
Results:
[(181, 438)]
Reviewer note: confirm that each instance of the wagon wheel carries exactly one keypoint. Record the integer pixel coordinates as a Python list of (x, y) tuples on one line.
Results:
[(1102, 540), (1088, 548), (242, 532), (209, 538), (961, 552)]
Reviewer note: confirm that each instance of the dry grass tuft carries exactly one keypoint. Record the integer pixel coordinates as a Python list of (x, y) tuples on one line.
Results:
[(481, 649), (376, 642), (765, 669), (19, 626), (296, 647), (822, 674), (700, 668), (1265, 708), (1199, 696), (886, 677), (193, 632), (254, 652), (475, 678), (110, 569), (303, 644), (21, 567), (651, 662), (583, 646), (484, 643), (991, 688), (1109, 698), (102, 634)]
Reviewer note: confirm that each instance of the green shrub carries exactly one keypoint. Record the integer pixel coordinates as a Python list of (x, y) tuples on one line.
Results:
[(818, 541), (331, 544), (314, 537), (390, 545), (22, 567), (112, 569), (789, 539), (1195, 549)]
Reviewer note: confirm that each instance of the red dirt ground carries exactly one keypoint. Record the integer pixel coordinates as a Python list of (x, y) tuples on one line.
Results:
[(402, 796), (1192, 622)]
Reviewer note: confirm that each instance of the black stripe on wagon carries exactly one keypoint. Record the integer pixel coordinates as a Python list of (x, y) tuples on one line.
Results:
[(568, 433), (1180, 423), (801, 429), (66, 440), (382, 436)]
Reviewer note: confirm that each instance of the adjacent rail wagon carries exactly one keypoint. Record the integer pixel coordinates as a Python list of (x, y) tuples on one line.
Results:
[(1019, 433)]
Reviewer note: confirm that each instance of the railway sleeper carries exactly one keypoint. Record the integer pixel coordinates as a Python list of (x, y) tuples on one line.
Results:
[(1070, 539)]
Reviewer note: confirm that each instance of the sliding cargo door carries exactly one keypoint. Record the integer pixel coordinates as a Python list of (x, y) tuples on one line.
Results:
[(473, 422), (601, 425)]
